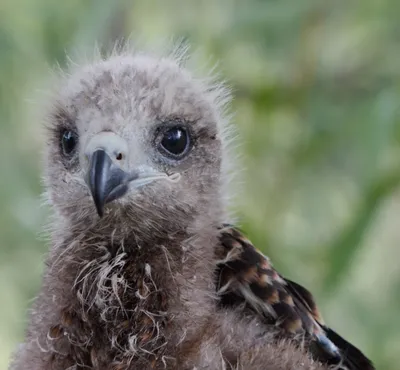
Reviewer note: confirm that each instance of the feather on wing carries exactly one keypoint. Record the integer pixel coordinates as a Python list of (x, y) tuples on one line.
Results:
[(246, 277)]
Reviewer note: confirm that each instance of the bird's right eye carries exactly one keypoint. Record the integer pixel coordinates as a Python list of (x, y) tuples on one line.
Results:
[(69, 139)]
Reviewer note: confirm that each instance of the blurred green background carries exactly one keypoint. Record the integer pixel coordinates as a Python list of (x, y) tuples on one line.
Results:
[(317, 91)]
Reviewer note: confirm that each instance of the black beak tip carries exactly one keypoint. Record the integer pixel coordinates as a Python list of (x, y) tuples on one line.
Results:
[(99, 209)]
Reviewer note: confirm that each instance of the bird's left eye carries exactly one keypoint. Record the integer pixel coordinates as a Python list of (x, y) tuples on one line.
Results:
[(175, 142), (68, 141)]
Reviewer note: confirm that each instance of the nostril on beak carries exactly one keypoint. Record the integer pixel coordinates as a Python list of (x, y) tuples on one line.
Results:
[(115, 147)]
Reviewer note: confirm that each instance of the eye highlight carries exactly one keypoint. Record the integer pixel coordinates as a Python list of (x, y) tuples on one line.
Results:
[(69, 140), (175, 142)]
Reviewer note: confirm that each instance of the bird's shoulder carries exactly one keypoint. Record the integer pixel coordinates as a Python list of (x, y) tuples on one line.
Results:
[(246, 278), (245, 273)]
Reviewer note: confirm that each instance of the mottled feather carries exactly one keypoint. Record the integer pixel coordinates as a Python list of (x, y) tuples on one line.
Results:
[(246, 278)]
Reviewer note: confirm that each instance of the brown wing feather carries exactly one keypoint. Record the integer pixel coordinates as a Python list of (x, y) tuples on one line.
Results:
[(246, 273), (246, 277)]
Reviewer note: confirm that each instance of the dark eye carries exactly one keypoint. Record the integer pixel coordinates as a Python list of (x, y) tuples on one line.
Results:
[(68, 141), (175, 142)]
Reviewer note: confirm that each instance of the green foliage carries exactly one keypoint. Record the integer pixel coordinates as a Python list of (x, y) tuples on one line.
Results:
[(317, 91)]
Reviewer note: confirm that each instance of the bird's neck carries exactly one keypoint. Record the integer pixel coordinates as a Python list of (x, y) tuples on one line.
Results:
[(142, 294)]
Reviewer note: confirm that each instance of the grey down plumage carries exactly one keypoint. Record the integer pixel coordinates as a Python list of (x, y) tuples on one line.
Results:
[(136, 171)]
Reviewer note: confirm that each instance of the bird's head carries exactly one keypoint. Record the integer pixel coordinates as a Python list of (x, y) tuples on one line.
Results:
[(135, 138)]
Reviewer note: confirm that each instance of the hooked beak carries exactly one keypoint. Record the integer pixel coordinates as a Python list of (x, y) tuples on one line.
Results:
[(106, 180)]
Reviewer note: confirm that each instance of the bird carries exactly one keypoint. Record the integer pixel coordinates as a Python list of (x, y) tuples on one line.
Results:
[(246, 278), (136, 169)]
